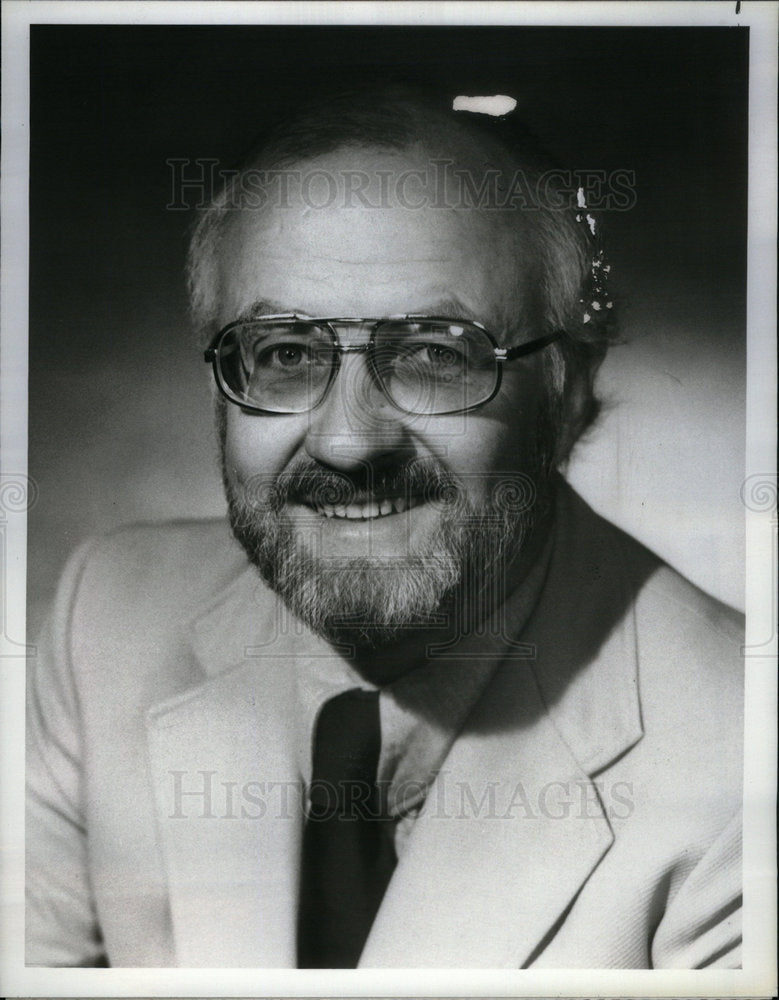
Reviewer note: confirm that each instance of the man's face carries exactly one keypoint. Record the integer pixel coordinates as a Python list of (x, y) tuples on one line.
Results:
[(357, 512)]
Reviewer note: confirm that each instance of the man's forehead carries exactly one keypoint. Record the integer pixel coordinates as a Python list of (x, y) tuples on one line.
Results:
[(263, 287), (326, 219), (314, 246), (449, 306), (395, 185)]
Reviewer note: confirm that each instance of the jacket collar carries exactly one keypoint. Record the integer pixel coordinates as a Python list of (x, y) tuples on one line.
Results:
[(501, 847), (584, 634)]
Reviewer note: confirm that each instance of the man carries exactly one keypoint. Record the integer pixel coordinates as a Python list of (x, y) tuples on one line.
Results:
[(445, 715)]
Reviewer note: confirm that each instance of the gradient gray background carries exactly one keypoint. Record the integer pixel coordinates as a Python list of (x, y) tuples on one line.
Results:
[(120, 425)]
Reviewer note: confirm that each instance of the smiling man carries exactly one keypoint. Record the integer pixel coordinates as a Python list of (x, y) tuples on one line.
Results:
[(367, 434), (444, 715)]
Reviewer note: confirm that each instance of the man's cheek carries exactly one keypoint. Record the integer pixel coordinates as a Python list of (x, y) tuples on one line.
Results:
[(256, 446)]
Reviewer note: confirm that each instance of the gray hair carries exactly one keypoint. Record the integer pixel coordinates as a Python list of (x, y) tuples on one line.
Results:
[(395, 119)]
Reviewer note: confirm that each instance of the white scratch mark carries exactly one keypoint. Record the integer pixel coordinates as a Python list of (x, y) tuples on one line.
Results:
[(498, 104)]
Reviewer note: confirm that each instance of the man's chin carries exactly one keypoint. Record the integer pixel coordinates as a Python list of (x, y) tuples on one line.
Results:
[(374, 600), (366, 602)]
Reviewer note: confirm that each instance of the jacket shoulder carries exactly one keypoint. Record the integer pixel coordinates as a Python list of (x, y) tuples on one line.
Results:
[(124, 623), (691, 682), (696, 639), (174, 564)]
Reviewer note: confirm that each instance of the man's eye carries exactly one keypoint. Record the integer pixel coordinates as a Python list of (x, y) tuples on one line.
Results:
[(283, 356), (289, 356), (437, 355)]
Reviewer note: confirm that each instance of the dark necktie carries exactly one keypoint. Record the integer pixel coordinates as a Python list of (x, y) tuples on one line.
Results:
[(348, 855)]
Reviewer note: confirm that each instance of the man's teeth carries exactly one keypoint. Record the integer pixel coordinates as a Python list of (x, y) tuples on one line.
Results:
[(369, 509)]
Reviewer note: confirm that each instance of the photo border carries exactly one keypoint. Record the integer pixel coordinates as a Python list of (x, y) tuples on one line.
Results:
[(758, 976)]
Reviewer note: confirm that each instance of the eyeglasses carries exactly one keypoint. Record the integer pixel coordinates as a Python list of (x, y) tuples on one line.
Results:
[(425, 365)]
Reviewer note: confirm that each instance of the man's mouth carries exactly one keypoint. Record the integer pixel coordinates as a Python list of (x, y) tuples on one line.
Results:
[(366, 510)]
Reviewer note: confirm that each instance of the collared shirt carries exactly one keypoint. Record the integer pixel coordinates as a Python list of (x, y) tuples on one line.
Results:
[(422, 711)]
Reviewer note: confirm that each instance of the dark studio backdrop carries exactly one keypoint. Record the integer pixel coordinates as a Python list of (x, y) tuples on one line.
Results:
[(120, 425)]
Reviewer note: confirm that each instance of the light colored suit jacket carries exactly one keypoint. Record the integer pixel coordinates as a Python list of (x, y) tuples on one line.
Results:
[(588, 815)]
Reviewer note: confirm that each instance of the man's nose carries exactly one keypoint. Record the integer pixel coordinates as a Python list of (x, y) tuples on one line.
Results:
[(356, 424)]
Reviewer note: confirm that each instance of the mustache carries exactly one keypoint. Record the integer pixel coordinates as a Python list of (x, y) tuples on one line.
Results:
[(315, 486)]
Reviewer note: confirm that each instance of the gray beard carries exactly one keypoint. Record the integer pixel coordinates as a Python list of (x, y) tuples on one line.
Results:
[(454, 582)]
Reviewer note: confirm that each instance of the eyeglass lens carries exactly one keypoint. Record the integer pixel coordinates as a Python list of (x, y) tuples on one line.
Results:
[(423, 367)]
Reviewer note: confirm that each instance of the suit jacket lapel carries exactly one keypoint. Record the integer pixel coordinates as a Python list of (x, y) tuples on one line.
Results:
[(513, 825), (500, 849), (228, 791)]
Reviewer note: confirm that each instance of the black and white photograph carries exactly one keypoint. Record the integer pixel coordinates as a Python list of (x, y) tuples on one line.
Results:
[(388, 447)]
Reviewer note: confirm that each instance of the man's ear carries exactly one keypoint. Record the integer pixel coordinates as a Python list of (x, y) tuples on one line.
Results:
[(580, 407)]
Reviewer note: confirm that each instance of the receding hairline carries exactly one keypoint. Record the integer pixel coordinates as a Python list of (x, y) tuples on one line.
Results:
[(395, 120)]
